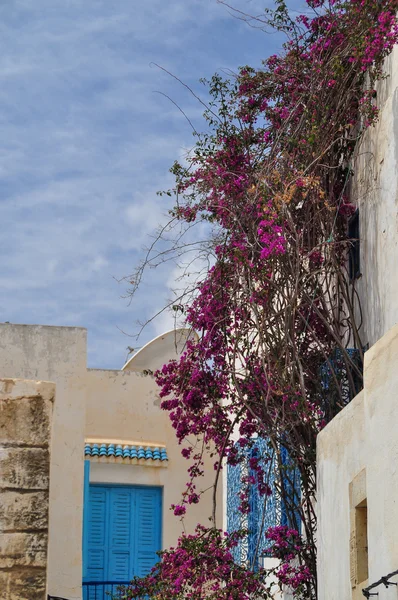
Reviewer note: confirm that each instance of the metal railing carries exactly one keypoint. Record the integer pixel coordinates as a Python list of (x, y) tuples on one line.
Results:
[(104, 590), (382, 581), (100, 590)]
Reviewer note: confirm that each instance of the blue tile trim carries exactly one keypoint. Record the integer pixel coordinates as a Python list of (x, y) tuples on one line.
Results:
[(148, 453)]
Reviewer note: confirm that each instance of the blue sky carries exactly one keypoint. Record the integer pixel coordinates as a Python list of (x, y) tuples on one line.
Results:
[(85, 144)]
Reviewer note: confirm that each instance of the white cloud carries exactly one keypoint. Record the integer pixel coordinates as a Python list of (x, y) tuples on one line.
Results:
[(85, 143)]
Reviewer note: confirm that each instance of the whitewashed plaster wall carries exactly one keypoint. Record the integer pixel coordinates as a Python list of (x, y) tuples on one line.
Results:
[(375, 192), (363, 436)]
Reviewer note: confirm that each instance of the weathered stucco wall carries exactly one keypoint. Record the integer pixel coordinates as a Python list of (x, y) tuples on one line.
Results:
[(133, 414), (25, 435), (375, 191), (57, 354), (361, 443)]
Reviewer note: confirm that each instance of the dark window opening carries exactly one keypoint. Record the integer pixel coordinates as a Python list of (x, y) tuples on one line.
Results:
[(354, 249), (361, 537)]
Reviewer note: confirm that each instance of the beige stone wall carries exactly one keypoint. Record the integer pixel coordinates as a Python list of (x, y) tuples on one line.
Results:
[(57, 354), (375, 191), (357, 457), (25, 435)]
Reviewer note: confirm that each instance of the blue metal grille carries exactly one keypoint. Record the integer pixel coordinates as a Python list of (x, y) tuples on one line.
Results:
[(340, 380), (235, 519), (291, 486), (264, 511), (104, 590)]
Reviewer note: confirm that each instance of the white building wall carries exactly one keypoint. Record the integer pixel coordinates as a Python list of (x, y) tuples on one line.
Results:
[(361, 442), (363, 437), (375, 192)]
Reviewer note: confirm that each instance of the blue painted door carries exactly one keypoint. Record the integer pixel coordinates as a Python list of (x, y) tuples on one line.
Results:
[(122, 535)]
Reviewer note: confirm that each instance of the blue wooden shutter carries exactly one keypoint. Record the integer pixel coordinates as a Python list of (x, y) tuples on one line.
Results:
[(148, 518), (120, 540), (97, 535), (86, 496)]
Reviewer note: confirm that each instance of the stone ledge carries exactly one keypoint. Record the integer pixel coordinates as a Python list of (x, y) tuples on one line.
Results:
[(26, 388), (142, 462)]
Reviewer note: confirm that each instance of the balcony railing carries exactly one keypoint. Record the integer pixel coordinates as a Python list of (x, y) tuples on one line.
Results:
[(104, 590)]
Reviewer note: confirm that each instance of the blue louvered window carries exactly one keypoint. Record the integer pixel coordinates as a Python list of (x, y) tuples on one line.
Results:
[(264, 512), (122, 533)]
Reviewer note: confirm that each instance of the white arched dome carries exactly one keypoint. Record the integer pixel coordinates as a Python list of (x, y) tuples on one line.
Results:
[(160, 350)]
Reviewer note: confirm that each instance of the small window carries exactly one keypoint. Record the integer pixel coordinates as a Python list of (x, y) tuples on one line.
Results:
[(358, 534), (361, 535), (354, 249)]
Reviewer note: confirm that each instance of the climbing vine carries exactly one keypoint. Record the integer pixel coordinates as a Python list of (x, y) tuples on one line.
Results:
[(274, 312)]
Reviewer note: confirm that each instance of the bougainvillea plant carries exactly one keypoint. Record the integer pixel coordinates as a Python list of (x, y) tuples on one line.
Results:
[(275, 311), (206, 569)]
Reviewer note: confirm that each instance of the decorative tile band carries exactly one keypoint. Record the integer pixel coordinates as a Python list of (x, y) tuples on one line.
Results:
[(127, 452)]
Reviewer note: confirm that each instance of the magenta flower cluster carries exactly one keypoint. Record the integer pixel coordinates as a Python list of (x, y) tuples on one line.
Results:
[(200, 566)]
